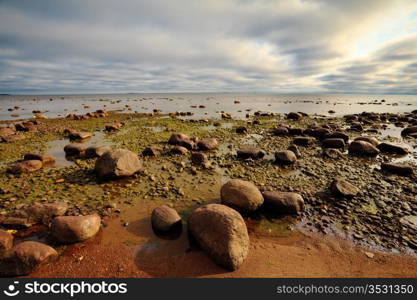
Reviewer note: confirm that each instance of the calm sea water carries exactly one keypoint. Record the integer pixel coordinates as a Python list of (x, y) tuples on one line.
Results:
[(61, 105)]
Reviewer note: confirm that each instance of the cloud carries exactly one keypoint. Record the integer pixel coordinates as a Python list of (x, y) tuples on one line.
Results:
[(241, 45)]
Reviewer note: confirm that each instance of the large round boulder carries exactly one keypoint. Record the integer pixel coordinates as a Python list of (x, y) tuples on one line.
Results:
[(221, 232), (242, 195), (117, 163), (71, 229), (286, 203)]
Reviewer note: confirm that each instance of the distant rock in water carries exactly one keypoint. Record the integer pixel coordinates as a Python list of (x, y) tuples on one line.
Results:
[(26, 166)]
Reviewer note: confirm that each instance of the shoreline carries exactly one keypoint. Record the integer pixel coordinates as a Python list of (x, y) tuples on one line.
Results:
[(126, 204)]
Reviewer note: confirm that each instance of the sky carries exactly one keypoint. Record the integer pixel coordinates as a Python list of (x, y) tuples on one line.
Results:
[(292, 46)]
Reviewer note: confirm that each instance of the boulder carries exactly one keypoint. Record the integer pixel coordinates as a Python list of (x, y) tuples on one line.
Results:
[(241, 129), (45, 159), (343, 188), (294, 116), (45, 212), (179, 150), (208, 144), (72, 229), (221, 232), (337, 135), (250, 152), (294, 149), (199, 158), (80, 135), (398, 169), (181, 139), (285, 157), (369, 139), (26, 166), (303, 141), (286, 203), (363, 148), (165, 219), (152, 151), (117, 163), (295, 131), (25, 257), (75, 149), (242, 195), (96, 151), (392, 149), (280, 131), (409, 130), (334, 143)]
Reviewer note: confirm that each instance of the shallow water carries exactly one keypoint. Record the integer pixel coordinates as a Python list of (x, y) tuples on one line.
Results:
[(58, 105)]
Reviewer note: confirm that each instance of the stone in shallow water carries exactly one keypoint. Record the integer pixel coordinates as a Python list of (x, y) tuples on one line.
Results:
[(42, 157), (165, 219), (25, 257), (72, 229), (221, 232)]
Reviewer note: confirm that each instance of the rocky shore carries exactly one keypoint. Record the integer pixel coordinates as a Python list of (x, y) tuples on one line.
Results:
[(220, 179)]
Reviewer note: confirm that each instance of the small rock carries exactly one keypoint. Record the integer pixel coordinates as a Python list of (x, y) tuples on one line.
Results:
[(250, 152), (303, 141), (26, 166), (391, 148), (242, 195), (75, 149), (397, 168), (152, 151), (363, 148), (179, 150), (199, 158), (208, 144), (283, 202), (165, 219), (286, 157), (334, 143), (343, 188), (117, 163), (96, 151), (46, 159), (71, 229)]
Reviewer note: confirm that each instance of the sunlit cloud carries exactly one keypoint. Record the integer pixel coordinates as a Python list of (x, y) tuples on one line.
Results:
[(260, 45)]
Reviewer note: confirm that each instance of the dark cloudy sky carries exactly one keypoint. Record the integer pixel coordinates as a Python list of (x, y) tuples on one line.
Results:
[(323, 46)]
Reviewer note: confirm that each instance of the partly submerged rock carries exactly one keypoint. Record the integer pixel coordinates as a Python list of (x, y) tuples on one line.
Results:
[(165, 219), (283, 202)]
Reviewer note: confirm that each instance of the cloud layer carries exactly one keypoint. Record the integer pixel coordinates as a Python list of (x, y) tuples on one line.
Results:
[(241, 45)]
